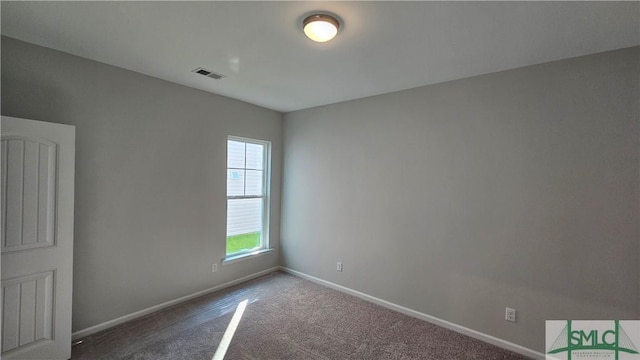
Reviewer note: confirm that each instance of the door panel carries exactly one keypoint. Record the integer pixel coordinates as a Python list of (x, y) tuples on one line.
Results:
[(37, 238), (28, 313), (28, 180)]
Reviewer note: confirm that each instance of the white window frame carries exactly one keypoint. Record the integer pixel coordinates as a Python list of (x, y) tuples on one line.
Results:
[(266, 186)]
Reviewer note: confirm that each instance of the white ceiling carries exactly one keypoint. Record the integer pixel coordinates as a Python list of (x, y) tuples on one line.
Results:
[(382, 47)]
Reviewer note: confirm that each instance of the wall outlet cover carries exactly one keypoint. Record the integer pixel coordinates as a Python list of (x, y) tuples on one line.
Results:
[(510, 314)]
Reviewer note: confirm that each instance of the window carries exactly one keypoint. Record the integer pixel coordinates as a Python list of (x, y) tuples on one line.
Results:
[(247, 195)]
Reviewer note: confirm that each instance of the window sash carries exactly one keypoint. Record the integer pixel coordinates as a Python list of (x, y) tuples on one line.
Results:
[(239, 197)]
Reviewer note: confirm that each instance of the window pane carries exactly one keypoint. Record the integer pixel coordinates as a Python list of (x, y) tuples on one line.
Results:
[(244, 216), (235, 154), (244, 224), (254, 182), (255, 153), (235, 182)]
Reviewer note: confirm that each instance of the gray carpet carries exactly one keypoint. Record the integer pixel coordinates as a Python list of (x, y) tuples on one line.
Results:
[(286, 318)]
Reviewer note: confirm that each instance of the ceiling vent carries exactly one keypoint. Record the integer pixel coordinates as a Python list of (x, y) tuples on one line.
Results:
[(207, 73)]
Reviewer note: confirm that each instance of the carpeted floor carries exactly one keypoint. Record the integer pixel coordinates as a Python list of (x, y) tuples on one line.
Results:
[(286, 318)]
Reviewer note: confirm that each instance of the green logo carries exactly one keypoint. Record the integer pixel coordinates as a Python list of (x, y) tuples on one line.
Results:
[(592, 340)]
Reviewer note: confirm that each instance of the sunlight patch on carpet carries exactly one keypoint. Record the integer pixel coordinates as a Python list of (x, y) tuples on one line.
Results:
[(221, 351)]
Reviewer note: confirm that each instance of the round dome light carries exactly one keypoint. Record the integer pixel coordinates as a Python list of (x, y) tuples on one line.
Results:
[(320, 27)]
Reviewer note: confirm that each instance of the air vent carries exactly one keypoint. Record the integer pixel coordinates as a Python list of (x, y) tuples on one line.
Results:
[(207, 73)]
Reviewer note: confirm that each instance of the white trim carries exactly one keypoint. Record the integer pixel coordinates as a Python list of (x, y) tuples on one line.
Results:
[(416, 314), (122, 319), (245, 256)]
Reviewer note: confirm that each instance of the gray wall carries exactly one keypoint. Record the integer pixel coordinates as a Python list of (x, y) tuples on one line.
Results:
[(519, 188), (150, 176)]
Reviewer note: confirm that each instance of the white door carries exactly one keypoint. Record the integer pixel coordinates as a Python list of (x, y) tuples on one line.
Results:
[(38, 160)]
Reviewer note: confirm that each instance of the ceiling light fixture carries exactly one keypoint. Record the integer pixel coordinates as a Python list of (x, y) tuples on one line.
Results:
[(320, 27)]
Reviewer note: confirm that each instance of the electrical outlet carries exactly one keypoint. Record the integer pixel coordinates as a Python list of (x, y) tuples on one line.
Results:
[(510, 314), (339, 266), (214, 267)]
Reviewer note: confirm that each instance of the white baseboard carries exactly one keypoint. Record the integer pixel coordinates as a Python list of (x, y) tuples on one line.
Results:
[(107, 324), (431, 319)]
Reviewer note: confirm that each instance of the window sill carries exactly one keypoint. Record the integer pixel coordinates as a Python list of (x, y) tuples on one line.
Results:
[(244, 256)]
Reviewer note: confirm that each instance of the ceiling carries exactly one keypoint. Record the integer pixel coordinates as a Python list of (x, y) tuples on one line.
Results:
[(381, 47)]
